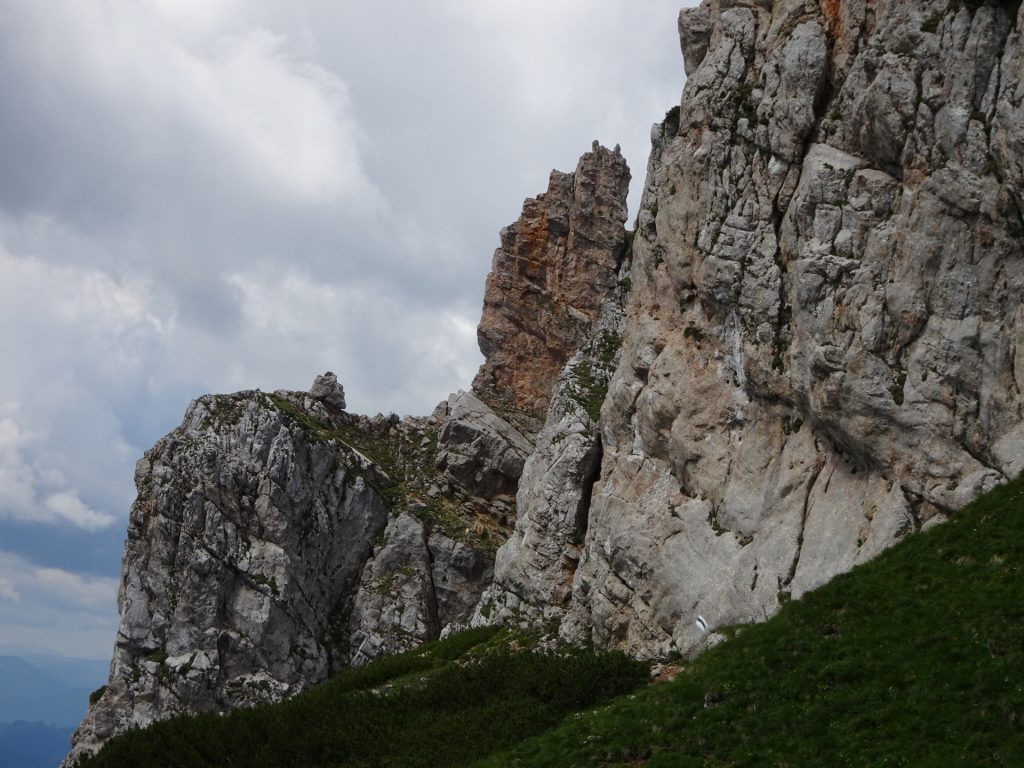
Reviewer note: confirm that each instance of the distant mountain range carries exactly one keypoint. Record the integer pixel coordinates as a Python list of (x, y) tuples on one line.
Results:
[(42, 700), (58, 695), (33, 745)]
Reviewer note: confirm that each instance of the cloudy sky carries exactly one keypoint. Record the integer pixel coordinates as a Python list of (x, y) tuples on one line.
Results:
[(213, 195)]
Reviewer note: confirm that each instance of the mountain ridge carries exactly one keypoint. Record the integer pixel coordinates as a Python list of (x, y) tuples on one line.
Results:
[(808, 349)]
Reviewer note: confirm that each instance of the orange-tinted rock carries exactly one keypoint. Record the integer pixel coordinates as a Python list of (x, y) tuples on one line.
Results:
[(555, 266)]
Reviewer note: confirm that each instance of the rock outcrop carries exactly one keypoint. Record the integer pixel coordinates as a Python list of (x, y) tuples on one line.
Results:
[(481, 452), (418, 582), (327, 390), (275, 538), (549, 278), (822, 344), (535, 568), (248, 534)]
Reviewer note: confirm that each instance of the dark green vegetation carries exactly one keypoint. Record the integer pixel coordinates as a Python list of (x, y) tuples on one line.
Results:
[(915, 659), (444, 704), (589, 384), (671, 122), (31, 693)]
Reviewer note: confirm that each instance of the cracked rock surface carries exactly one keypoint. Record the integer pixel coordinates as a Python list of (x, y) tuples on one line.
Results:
[(548, 281), (264, 529), (823, 341)]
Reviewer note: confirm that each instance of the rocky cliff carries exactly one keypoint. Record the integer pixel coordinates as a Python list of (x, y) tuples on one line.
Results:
[(276, 537), (549, 278), (821, 350), (809, 348)]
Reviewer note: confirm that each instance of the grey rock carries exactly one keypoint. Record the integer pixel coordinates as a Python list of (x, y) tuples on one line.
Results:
[(267, 548), (534, 569), (459, 573), (418, 582), (479, 450), (395, 608), (695, 28), (327, 389), (821, 348), (245, 542)]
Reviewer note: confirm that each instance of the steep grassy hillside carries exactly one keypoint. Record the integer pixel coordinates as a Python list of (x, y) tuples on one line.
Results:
[(444, 704), (916, 659)]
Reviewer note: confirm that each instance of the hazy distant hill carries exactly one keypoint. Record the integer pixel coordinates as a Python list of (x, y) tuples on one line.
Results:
[(42, 698), (32, 745), (79, 673), (32, 695)]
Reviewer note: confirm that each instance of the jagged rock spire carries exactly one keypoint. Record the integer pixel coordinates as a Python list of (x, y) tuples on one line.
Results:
[(554, 267)]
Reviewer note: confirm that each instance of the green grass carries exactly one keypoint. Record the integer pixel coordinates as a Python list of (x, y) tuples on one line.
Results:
[(443, 704), (915, 659)]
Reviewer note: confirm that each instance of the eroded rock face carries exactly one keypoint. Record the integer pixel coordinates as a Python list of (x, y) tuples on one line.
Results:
[(821, 352), (246, 539), (481, 452), (534, 570), (554, 268), (276, 538), (418, 582)]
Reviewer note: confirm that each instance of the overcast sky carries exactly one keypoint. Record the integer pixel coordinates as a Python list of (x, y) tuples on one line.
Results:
[(213, 195)]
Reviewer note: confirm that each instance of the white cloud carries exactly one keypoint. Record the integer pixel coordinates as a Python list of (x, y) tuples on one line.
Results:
[(63, 586), (55, 609), (66, 506), (22, 484), (292, 119), (361, 330), (55, 587), (81, 336), (8, 592), (195, 16), (64, 312), (17, 478), (194, 84)]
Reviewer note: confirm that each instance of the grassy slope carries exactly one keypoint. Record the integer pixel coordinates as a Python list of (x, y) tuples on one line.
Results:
[(915, 659), (443, 704)]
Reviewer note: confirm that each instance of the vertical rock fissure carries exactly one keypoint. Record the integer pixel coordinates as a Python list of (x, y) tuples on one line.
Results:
[(786, 586), (590, 476), (433, 618)]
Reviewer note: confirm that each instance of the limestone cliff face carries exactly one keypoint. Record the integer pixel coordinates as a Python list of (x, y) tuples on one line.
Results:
[(549, 278), (275, 538), (822, 346)]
